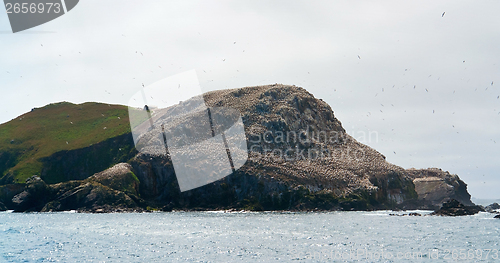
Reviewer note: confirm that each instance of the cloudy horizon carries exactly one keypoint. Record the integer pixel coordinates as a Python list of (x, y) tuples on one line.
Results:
[(423, 75)]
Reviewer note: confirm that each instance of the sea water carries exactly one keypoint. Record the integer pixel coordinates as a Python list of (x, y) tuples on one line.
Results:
[(248, 237)]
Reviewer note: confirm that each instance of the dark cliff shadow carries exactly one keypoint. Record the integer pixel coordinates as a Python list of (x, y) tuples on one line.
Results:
[(82, 163)]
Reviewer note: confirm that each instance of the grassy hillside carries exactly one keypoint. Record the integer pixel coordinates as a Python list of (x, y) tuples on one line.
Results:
[(64, 126)]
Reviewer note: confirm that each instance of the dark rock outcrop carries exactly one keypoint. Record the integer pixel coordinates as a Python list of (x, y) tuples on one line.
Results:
[(113, 190), (92, 197), (455, 208), (7, 192), (493, 208), (2, 207), (34, 196), (497, 216)]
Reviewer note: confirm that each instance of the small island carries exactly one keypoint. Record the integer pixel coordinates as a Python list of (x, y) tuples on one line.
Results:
[(82, 157)]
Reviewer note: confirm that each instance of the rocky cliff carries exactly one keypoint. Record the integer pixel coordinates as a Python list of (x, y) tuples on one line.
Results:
[(435, 187), (299, 158)]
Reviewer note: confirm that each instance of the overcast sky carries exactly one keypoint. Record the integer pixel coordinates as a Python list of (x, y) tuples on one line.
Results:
[(427, 84)]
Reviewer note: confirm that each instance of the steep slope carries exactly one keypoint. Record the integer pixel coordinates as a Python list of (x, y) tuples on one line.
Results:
[(300, 157), (435, 187), (35, 140)]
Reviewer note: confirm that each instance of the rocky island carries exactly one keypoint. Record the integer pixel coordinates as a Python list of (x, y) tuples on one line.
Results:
[(82, 157), (455, 208)]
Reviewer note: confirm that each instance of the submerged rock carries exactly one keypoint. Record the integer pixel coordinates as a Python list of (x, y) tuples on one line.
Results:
[(409, 214), (455, 208)]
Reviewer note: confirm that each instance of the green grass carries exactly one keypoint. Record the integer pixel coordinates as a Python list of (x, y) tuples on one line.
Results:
[(53, 128)]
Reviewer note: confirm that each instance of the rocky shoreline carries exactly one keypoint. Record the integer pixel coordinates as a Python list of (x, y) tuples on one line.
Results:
[(116, 190), (341, 174), (98, 194)]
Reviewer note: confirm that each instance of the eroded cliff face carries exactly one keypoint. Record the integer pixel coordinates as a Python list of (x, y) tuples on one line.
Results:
[(300, 157), (435, 187)]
